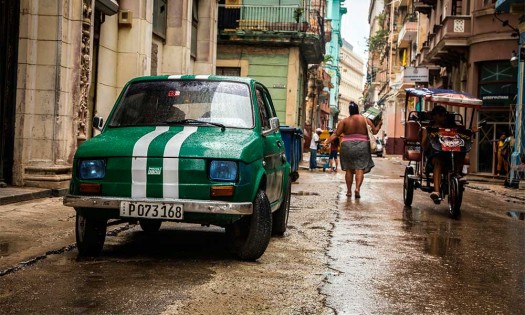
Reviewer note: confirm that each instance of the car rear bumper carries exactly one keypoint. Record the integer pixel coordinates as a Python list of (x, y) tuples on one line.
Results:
[(191, 206)]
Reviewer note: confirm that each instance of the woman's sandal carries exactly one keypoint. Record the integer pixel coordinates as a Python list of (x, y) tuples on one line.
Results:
[(357, 195)]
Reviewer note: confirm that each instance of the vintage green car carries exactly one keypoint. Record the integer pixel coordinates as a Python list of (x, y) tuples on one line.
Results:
[(191, 148)]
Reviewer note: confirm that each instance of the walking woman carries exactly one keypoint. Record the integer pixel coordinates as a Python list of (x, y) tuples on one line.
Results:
[(355, 155)]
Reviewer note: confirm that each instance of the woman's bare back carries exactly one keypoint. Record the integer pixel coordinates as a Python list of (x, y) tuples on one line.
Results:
[(354, 124)]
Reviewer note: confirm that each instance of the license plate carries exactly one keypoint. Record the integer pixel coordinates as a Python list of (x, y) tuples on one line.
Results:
[(151, 210)]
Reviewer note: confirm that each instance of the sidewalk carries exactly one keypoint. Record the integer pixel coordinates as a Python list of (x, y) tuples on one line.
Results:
[(11, 194)]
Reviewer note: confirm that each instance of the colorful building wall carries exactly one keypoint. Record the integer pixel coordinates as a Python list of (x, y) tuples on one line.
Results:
[(335, 12), (279, 69)]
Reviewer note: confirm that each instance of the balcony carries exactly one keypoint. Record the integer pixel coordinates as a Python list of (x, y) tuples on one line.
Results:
[(407, 34), (422, 7), (450, 38), (265, 25)]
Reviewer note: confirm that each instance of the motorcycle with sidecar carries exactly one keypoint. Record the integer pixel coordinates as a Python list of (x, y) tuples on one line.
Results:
[(452, 143)]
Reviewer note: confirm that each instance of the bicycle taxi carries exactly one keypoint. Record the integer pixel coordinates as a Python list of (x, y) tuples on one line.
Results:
[(456, 139)]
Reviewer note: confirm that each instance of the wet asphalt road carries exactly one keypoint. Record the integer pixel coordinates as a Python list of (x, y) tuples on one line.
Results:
[(388, 258), (339, 256)]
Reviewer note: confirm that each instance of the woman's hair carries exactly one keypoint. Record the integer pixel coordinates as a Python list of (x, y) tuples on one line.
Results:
[(353, 108)]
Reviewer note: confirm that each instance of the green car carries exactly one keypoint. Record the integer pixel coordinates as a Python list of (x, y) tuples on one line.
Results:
[(191, 148)]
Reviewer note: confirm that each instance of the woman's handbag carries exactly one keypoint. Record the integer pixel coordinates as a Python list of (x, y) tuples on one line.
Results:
[(371, 137)]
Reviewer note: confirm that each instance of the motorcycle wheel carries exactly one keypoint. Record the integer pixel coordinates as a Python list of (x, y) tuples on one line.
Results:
[(455, 196), (408, 187)]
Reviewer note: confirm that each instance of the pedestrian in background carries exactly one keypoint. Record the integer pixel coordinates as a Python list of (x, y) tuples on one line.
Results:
[(356, 157), (503, 154), (313, 148), (334, 150)]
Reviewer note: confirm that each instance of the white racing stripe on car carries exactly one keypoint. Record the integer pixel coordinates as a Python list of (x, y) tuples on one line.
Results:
[(170, 165), (139, 162), (175, 76), (202, 77)]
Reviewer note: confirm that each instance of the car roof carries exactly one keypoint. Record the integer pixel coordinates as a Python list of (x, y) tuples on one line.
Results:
[(196, 77)]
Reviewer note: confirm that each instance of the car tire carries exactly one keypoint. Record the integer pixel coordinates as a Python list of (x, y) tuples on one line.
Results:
[(280, 217), (90, 235), (150, 225), (251, 234)]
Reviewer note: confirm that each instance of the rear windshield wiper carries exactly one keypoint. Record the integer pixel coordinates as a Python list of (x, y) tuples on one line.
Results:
[(194, 121)]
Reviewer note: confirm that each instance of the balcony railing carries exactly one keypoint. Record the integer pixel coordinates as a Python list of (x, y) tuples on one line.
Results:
[(456, 28), (269, 18), (407, 33)]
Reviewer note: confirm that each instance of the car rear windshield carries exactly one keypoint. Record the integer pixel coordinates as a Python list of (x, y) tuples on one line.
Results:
[(163, 102)]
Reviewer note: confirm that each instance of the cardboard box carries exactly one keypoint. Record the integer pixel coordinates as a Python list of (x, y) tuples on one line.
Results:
[(374, 114)]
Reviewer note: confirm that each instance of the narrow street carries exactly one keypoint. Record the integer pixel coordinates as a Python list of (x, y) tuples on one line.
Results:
[(339, 256)]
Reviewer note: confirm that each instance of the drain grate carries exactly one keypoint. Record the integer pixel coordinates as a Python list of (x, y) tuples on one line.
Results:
[(520, 215)]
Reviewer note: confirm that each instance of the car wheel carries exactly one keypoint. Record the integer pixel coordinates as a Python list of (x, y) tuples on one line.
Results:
[(280, 217), (251, 234), (294, 176), (149, 225), (90, 235)]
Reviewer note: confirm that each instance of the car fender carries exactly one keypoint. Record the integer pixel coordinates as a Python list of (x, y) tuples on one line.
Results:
[(260, 181)]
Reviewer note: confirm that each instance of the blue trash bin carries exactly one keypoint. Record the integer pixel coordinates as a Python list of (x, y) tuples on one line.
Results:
[(293, 148)]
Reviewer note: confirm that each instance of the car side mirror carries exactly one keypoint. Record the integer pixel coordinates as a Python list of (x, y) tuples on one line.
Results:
[(274, 126), (274, 123), (98, 123)]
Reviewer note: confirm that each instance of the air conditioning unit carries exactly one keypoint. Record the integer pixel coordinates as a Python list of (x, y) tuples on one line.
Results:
[(125, 17)]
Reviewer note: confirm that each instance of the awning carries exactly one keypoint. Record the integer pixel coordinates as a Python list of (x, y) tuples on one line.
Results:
[(446, 97)]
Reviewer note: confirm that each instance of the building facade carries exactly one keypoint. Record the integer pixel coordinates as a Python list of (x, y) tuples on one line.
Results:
[(517, 7), (70, 59), (280, 43), (335, 14), (352, 69), (465, 45), (67, 61)]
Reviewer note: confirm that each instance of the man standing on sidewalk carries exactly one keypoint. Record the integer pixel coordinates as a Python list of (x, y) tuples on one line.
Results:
[(313, 148)]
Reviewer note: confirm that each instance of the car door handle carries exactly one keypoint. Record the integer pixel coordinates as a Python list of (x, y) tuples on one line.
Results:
[(279, 143)]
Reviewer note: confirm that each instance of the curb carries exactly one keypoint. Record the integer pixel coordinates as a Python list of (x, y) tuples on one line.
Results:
[(17, 196), (505, 194)]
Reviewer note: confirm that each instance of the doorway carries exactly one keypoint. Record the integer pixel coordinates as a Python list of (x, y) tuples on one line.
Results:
[(487, 144), (9, 19)]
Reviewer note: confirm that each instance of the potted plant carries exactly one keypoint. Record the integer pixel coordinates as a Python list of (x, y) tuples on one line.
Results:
[(297, 14)]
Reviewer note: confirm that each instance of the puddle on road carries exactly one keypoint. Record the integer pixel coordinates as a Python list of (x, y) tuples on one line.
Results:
[(520, 215)]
